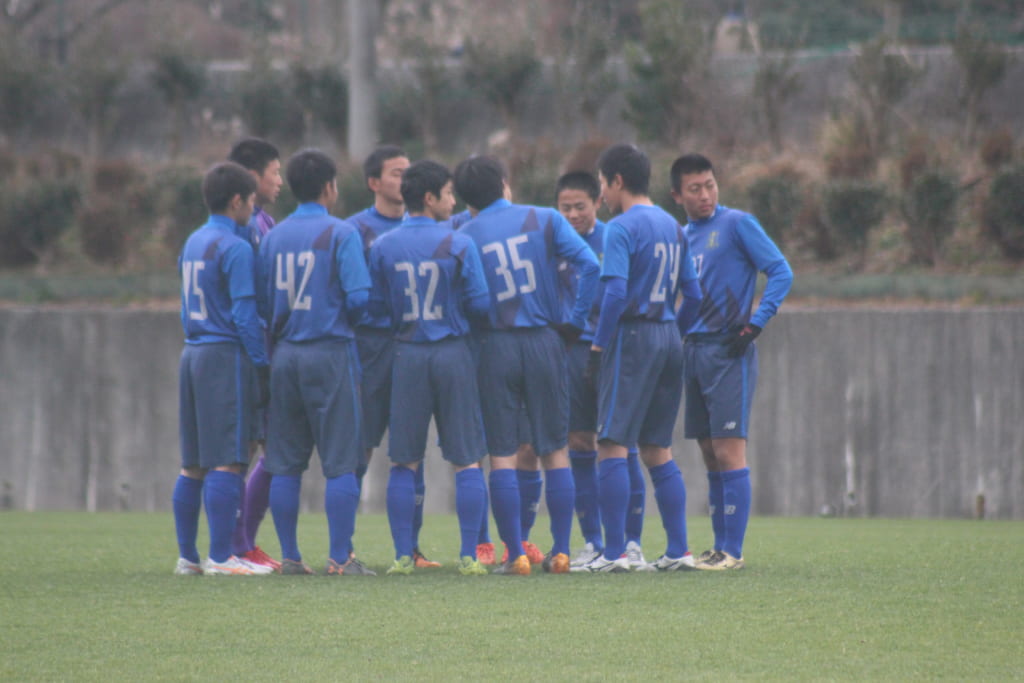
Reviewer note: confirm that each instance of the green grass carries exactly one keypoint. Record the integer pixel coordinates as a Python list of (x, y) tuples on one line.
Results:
[(91, 597)]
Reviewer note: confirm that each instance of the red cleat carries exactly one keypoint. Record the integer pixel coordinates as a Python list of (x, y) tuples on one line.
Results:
[(257, 556), (529, 549), (485, 553)]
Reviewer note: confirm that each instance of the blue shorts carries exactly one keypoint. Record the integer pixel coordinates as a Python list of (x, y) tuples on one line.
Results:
[(523, 370), (314, 401), (719, 389), (641, 384), (582, 397), (217, 397), (376, 356), (433, 381)]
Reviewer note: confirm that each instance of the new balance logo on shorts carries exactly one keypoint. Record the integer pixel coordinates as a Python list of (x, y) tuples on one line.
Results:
[(730, 425)]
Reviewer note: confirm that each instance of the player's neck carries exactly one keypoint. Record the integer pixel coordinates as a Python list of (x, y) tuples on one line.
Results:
[(388, 209), (629, 200)]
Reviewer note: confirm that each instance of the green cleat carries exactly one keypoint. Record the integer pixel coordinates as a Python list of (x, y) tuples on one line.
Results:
[(403, 565), (471, 567)]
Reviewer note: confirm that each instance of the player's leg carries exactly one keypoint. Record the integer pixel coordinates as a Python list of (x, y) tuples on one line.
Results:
[(417, 520), (531, 485), (697, 426), (716, 509), (635, 512), (583, 451), (376, 356), (187, 498), (254, 508)]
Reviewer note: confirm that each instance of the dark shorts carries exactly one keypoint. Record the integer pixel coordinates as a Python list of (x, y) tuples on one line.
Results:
[(217, 397), (523, 371), (582, 397), (719, 389), (435, 380), (641, 384), (376, 356), (314, 401)]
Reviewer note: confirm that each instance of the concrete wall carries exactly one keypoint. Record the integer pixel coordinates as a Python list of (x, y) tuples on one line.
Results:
[(871, 412)]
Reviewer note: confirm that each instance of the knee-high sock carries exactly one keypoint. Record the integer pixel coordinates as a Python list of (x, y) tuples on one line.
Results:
[(637, 499), (188, 502), (221, 493), (401, 504), (417, 515), (584, 474), (560, 496), (736, 498), (470, 499), (716, 508), (530, 486), (670, 492), (505, 504), (257, 499), (485, 519), (284, 509), (238, 544), (613, 499), (341, 500)]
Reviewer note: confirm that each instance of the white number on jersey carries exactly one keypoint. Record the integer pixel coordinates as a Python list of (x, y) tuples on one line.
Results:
[(518, 263), (190, 287), (431, 271), (698, 262), (667, 256), (285, 278)]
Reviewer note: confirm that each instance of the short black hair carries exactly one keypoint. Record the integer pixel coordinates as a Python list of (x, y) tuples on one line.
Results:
[(630, 164), (579, 180), (687, 164), (308, 171), (223, 181), (480, 181), (373, 166), (419, 179), (254, 154)]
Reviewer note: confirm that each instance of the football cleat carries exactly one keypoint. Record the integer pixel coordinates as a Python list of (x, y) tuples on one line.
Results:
[(403, 565), (705, 556), (471, 567), (421, 562), (518, 567), (188, 568), (602, 565), (721, 561), (635, 557), (530, 550), (351, 568), (233, 566), (485, 553), (586, 554), (671, 564), (294, 568), (556, 564), (257, 556)]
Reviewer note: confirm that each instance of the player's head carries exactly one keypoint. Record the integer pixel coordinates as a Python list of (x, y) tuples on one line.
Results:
[(383, 171), (229, 189), (264, 162), (480, 181), (310, 174), (623, 168), (576, 197), (427, 190), (694, 186)]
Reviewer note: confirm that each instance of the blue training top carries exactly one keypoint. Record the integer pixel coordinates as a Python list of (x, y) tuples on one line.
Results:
[(371, 224), (312, 278), (728, 251), (426, 278), (217, 288), (520, 247), (569, 278)]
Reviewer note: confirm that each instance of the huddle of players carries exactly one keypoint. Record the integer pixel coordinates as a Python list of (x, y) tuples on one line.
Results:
[(399, 294)]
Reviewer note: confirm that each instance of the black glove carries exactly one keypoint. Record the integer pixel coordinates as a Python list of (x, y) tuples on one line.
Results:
[(742, 336), (263, 386), (593, 369), (569, 333)]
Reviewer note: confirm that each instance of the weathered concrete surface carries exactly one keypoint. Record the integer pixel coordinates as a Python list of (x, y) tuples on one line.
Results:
[(873, 412)]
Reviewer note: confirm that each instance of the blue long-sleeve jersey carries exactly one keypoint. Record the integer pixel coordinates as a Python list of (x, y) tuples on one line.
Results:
[(521, 247), (371, 225), (569, 279), (218, 290), (426, 279), (728, 250), (312, 277)]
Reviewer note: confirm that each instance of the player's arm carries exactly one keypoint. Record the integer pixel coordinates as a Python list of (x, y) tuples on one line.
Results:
[(571, 247), (353, 275), (378, 303), (690, 289), (768, 259), (615, 274), (476, 298), (239, 269)]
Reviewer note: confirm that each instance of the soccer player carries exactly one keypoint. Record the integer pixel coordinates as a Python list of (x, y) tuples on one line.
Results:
[(426, 280), (637, 355), (224, 355), (263, 161), (729, 248), (383, 170), (313, 285), (522, 357)]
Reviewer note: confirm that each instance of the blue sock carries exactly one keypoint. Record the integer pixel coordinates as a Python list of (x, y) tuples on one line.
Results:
[(584, 474), (716, 509), (736, 496), (560, 497), (670, 492), (188, 501), (613, 499), (505, 503), (401, 503), (417, 515), (530, 485), (341, 500), (239, 546), (470, 499), (284, 509), (485, 519), (637, 499), (221, 493)]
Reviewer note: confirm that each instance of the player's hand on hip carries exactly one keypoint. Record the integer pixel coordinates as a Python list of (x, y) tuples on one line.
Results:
[(743, 335)]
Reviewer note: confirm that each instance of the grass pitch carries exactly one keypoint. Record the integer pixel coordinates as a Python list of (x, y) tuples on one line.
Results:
[(92, 597)]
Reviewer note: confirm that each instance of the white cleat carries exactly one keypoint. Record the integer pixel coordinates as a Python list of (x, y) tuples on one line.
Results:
[(187, 568), (585, 555), (671, 564), (601, 565), (635, 557), (234, 566)]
